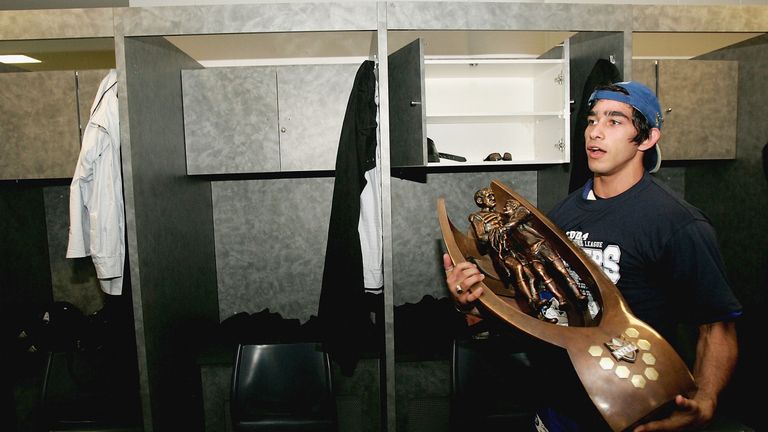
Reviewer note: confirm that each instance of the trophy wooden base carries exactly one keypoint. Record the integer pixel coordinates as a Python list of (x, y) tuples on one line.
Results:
[(628, 370)]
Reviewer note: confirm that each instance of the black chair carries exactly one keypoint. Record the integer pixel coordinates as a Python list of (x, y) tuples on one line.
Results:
[(88, 391), (282, 387), (492, 386)]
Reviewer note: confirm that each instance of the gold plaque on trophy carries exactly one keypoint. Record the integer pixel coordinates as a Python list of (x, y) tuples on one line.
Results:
[(543, 284)]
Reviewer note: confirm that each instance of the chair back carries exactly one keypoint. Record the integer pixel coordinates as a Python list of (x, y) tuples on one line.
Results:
[(88, 391), (491, 387), (282, 387)]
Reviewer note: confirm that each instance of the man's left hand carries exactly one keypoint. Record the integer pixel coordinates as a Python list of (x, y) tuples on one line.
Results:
[(690, 414)]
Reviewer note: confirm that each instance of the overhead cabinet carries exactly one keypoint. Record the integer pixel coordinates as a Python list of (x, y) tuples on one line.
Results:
[(264, 118), (474, 107), (43, 115), (686, 106), (39, 129), (230, 120)]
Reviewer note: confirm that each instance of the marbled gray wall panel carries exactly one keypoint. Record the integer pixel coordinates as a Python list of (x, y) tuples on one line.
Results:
[(173, 270), (271, 237), (38, 135), (552, 185), (312, 100), (500, 16), (230, 120), (249, 18), (674, 178), (734, 194), (416, 240), (672, 18), (73, 280), (56, 24)]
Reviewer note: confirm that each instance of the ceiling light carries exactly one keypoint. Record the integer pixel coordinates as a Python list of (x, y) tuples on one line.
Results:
[(17, 58)]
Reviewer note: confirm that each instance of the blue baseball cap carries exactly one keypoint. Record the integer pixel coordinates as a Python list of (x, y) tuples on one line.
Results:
[(644, 100)]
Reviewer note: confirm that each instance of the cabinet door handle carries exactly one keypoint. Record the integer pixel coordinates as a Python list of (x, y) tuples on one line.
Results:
[(669, 110), (414, 103), (283, 129)]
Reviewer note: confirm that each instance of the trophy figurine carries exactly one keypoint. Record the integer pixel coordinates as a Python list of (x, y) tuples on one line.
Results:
[(540, 282)]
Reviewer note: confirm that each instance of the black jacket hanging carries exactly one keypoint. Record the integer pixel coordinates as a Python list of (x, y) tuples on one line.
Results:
[(343, 314)]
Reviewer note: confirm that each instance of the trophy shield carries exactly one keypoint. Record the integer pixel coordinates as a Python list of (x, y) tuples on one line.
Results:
[(627, 368)]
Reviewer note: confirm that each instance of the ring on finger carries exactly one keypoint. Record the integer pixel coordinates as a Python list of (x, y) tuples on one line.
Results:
[(459, 289)]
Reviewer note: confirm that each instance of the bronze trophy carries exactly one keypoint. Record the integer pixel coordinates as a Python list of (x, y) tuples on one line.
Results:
[(537, 279)]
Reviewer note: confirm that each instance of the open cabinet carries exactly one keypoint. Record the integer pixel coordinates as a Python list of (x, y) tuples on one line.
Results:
[(478, 102)]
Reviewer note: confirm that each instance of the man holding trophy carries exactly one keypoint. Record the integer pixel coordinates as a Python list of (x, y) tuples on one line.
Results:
[(659, 251)]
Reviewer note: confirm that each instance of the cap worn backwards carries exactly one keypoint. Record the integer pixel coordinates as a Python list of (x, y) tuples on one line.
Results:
[(644, 100)]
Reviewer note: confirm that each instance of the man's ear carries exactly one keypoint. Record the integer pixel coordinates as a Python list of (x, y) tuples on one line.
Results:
[(653, 137)]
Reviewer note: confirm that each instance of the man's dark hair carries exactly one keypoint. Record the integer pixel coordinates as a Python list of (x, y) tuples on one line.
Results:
[(638, 119)]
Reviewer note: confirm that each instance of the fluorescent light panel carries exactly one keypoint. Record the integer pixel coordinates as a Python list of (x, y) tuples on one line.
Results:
[(17, 59)]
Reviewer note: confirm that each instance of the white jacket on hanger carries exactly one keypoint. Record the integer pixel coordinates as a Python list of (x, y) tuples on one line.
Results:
[(370, 225), (96, 209)]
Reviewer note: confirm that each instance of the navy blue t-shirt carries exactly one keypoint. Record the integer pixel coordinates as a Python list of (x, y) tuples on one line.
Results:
[(660, 251)]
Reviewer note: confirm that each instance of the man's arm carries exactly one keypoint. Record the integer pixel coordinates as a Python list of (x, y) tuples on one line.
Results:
[(716, 356)]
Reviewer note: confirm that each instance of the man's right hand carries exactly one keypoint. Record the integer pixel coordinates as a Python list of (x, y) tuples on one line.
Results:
[(461, 280)]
